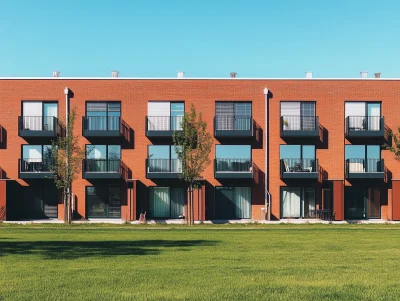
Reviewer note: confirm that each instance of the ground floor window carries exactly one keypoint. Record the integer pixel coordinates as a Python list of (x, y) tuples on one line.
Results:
[(232, 202), (36, 201), (166, 202), (298, 202), (103, 202), (361, 202)]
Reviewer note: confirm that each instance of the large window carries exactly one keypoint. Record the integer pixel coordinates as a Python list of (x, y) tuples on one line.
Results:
[(232, 202), (233, 115), (103, 116), (103, 202), (36, 158), (363, 115), (298, 202), (39, 116), (298, 115), (163, 158), (363, 158), (233, 157), (103, 158), (165, 115), (166, 202), (298, 157)]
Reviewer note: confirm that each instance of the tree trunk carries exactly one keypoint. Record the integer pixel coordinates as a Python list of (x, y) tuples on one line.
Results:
[(189, 210), (191, 222), (65, 205)]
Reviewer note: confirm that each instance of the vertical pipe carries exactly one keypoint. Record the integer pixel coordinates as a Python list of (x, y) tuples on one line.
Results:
[(266, 130)]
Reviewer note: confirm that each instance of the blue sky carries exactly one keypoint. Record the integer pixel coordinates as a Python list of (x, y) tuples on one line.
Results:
[(204, 38)]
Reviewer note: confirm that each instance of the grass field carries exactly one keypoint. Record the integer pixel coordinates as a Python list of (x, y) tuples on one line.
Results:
[(268, 262)]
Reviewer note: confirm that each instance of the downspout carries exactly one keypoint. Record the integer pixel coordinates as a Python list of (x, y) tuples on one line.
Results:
[(266, 167), (67, 209)]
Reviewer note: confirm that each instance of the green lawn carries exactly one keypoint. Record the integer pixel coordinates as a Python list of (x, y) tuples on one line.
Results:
[(254, 262)]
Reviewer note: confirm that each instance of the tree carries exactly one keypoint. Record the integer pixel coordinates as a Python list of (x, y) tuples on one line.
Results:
[(192, 146), (67, 162), (394, 146)]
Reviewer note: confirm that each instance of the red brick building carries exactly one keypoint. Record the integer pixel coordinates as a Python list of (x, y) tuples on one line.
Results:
[(316, 143)]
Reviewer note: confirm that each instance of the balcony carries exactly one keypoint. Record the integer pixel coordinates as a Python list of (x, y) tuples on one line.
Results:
[(39, 127), (162, 126), (300, 127), (104, 169), (233, 126), (163, 168), (104, 127), (299, 169), (36, 168), (365, 169), (233, 169), (365, 127)]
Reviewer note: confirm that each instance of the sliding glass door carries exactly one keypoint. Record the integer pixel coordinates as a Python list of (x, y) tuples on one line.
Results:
[(298, 202), (166, 202), (103, 202), (232, 202)]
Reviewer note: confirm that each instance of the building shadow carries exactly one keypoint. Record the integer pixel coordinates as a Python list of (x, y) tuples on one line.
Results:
[(3, 138), (70, 250)]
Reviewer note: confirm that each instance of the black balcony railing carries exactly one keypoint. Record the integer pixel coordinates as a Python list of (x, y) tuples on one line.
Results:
[(233, 123), (105, 126), (299, 123), (365, 126), (102, 165), (39, 126), (36, 165), (364, 166), (299, 168), (164, 123), (233, 165), (164, 166)]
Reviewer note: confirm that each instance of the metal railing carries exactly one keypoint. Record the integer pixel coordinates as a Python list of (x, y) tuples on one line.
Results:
[(101, 123), (39, 123), (36, 165), (299, 165), (233, 165), (233, 123), (364, 123), (299, 123), (102, 165), (164, 123), (364, 165), (164, 165)]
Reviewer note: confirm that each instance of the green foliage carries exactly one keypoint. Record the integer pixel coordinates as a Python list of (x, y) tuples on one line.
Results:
[(67, 149), (395, 145), (193, 146)]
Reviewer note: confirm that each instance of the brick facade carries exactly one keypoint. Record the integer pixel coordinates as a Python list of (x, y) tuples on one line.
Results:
[(134, 95)]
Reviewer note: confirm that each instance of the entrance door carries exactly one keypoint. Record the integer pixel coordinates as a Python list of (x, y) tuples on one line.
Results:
[(361, 203), (103, 202)]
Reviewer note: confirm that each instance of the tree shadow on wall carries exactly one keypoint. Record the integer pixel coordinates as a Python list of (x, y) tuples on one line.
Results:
[(84, 249)]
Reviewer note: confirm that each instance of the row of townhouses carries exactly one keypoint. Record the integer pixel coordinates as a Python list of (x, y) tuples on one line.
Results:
[(306, 148)]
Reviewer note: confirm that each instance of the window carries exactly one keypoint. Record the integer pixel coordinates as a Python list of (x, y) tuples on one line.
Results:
[(233, 115), (363, 115), (103, 158), (232, 202), (36, 158), (39, 116), (103, 202), (166, 202), (165, 115), (298, 158), (363, 158), (103, 116), (233, 158), (163, 158), (298, 202), (298, 115)]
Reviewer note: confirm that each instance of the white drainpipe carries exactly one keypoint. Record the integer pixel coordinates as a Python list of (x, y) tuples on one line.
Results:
[(266, 130)]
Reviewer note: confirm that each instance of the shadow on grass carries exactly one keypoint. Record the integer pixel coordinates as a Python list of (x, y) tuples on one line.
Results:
[(83, 249)]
